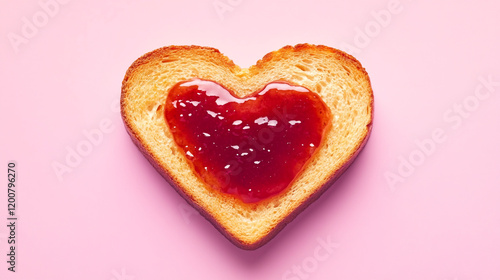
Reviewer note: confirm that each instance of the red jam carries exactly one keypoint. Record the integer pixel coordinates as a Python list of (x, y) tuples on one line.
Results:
[(251, 147)]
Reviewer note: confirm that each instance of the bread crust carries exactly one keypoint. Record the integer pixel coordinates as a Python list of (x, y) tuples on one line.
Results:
[(253, 70)]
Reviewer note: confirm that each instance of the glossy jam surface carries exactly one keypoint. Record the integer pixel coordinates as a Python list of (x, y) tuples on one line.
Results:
[(251, 147)]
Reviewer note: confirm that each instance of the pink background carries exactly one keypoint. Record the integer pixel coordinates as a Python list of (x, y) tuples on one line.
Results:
[(114, 218)]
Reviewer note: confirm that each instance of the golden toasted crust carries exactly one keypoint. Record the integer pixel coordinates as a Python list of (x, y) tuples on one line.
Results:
[(336, 76)]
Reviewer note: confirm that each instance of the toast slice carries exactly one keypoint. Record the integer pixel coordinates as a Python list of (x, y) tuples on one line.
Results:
[(338, 78)]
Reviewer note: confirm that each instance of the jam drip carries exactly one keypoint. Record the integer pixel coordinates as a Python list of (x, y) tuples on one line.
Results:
[(251, 147)]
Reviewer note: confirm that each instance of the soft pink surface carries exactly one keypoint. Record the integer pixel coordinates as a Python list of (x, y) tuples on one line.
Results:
[(114, 217)]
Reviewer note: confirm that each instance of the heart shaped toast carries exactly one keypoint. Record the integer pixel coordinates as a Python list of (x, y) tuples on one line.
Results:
[(248, 148)]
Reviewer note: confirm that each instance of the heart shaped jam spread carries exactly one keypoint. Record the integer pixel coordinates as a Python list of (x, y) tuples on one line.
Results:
[(252, 147)]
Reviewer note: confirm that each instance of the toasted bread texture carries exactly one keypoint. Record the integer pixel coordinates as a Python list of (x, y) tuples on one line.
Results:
[(338, 78)]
